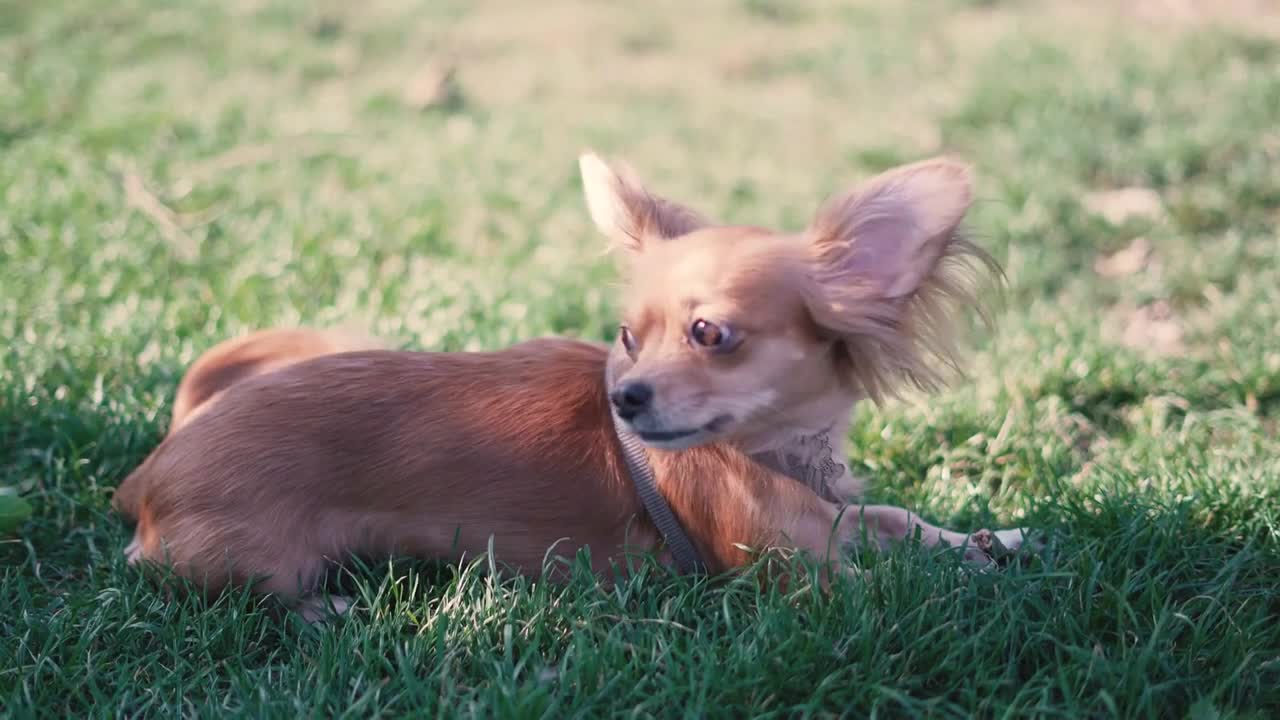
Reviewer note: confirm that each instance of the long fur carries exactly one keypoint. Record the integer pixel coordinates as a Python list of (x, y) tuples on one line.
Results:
[(889, 345)]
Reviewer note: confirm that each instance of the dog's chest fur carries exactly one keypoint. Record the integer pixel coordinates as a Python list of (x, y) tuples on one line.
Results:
[(812, 460)]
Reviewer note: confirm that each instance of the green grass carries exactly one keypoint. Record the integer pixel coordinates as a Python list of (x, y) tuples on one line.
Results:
[(300, 187)]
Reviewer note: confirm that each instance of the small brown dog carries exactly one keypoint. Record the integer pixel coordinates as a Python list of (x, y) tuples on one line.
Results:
[(739, 361)]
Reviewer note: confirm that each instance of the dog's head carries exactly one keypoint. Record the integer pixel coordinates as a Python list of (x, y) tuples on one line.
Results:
[(750, 336)]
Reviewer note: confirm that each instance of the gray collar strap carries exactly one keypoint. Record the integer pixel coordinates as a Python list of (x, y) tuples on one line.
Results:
[(673, 535)]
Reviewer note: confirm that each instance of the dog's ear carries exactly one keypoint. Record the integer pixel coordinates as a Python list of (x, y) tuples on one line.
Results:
[(887, 235), (627, 213), (885, 256)]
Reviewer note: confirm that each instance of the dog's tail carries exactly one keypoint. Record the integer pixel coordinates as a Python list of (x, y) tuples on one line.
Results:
[(230, 362)]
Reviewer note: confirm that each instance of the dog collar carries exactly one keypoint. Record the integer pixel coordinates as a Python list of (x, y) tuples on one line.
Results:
[(673, 535)]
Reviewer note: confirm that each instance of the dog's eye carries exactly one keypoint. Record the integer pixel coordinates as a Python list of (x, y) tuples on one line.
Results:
[(708, 334), (628, 340)]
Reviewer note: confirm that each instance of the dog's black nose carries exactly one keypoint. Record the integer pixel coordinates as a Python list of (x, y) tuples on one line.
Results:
[(631, 398)]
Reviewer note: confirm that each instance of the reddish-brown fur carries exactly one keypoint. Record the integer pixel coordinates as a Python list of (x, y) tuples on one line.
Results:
[(238, 358), (438, 454)]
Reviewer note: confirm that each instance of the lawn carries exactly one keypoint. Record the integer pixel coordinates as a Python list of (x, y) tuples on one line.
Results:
[(172, 174)]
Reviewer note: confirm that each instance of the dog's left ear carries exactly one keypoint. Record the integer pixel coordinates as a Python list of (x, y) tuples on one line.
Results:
[(886, 236), (888, 266), (627, 213)]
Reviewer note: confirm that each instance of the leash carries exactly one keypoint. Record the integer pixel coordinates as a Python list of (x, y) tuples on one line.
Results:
[(682, 549)]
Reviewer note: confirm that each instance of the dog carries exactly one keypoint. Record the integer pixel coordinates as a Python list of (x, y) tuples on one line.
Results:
[(739, 358)]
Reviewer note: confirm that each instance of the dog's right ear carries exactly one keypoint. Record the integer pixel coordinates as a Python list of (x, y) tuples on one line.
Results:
[(627, 213)]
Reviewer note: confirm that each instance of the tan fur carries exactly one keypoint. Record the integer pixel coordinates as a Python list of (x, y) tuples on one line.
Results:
[(828, 321), (437, 454)]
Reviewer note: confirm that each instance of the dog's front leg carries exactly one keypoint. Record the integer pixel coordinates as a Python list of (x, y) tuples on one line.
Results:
[(887, 524), (740, 504)]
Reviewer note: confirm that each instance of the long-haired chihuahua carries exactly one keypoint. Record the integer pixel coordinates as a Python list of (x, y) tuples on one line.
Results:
[(740, 354)]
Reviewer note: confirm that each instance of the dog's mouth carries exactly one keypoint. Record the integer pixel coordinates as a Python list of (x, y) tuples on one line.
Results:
[(668, 436)]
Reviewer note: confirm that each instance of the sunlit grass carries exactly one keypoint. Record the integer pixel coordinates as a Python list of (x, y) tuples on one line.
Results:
[(175, 174)]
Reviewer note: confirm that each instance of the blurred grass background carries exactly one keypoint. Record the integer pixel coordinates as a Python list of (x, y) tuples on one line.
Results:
[(173, 174)]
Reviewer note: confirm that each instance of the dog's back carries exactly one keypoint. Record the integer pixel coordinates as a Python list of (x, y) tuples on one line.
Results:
[(234, 360)]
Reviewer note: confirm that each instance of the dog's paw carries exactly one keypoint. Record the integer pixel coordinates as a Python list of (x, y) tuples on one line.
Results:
[(133, 551), (316, 608), (997, 547)]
